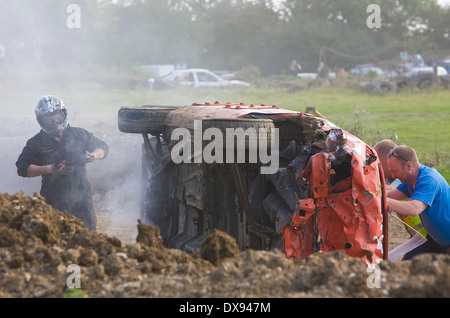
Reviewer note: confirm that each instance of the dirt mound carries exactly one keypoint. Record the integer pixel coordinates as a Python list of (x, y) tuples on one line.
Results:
[(38, 243), (218, 246)]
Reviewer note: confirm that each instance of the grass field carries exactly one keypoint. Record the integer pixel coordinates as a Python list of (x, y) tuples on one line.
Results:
[(418, 119)]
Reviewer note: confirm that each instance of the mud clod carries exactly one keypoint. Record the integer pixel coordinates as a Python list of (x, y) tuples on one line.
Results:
[(149, 235), (218, 246)]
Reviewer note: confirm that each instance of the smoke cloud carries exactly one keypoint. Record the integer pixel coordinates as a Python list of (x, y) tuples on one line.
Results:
[(44, 51)]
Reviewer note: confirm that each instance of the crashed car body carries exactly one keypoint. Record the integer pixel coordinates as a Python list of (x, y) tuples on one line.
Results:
[(271, 178)]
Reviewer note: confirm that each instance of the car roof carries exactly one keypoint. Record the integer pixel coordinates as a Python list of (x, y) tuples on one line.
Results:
[(366, 65), (188, 70), (193, 70)]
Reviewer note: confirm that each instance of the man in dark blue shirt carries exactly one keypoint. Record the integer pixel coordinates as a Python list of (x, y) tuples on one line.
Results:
[(59, 154)]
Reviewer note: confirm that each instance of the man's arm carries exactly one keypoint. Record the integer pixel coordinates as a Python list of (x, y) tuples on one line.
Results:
[(396, 194), (98, 154), (37, 171), (405, 208), (26, 163), (96, 146)]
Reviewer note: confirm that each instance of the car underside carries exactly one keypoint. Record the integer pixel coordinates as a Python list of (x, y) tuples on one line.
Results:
[(326, 192)]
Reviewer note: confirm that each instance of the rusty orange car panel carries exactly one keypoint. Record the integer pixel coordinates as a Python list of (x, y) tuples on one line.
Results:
[(347, 216)]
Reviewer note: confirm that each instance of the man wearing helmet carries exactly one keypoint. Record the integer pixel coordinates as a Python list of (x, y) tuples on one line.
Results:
[(59, 154)]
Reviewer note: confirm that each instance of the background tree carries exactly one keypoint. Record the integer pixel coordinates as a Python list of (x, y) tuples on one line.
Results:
[(228, 34)]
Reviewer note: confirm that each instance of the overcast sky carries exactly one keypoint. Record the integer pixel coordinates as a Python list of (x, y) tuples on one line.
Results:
[(444, 2)]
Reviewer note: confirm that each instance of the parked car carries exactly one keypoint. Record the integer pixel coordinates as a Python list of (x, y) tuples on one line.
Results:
[(225, 74), (445, 64), (407, 76), (314, 75), (440, 71), (194, 78), (308, 75), (366, 69)]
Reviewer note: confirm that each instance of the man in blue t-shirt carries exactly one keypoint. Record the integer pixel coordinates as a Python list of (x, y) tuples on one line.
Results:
[(413, 224), (429, 195)]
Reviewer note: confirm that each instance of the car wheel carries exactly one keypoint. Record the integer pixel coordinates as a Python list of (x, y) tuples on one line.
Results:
[(423, 81), (144, 119), (385, 87), (445, 81), (370, 88)]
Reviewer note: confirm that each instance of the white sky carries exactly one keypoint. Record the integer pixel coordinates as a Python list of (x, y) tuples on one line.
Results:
[(444, 2), (441, 2)]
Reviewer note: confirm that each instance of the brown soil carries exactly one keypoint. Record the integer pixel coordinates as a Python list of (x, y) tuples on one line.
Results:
[(38, 243)]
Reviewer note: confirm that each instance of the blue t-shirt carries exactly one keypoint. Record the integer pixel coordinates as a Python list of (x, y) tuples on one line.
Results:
[(396, 181), (432, 189)]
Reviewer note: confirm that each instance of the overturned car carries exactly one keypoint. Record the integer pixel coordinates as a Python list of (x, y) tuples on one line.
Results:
[(271, 178)]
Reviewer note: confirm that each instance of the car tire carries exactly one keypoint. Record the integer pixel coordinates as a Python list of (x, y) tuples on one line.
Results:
[(386, 87), (445, 81), (143, 119), (370, 88), (401, 84), (423, 81)]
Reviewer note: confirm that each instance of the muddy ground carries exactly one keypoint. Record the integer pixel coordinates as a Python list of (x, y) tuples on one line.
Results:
[(126, 259), (37, 244)]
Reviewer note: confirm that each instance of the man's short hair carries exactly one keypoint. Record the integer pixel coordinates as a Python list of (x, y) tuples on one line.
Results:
[(384, 146), (406, 153)]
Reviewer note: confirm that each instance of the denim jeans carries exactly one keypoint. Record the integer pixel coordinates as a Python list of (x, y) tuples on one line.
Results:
[(430, 246)]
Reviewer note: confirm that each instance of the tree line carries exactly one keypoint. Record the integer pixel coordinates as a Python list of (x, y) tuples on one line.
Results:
[(223, 34)]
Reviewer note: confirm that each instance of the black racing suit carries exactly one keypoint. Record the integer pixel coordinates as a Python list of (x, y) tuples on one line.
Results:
[(72, 192)]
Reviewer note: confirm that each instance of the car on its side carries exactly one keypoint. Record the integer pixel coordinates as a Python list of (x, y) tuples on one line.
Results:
[(271, 178), (195, 78)]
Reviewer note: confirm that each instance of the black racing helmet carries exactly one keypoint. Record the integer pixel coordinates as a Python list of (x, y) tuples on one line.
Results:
[(52, 115)]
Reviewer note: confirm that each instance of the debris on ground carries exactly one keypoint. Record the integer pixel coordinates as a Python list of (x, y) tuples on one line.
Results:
[(38, 244)]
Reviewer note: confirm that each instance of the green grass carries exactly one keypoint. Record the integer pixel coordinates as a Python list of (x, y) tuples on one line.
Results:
[(420, 120), (74, 293)]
